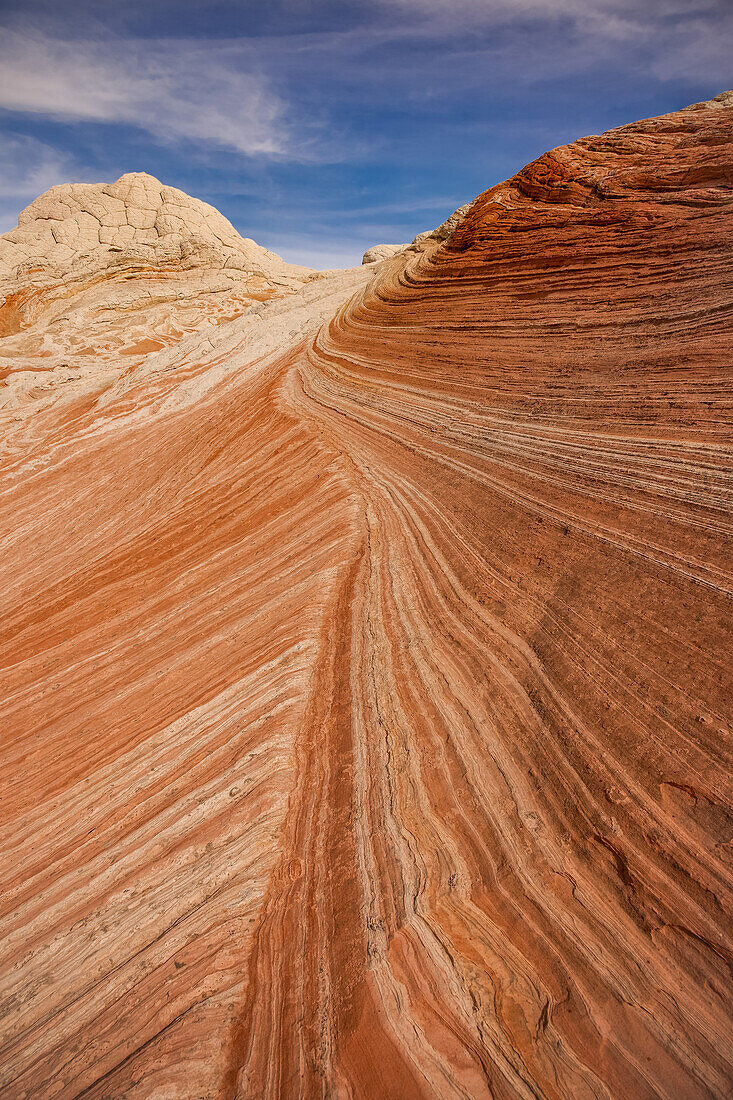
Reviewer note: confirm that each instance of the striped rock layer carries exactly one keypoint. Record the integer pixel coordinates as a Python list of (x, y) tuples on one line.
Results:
[(95, 277), (367, 697)]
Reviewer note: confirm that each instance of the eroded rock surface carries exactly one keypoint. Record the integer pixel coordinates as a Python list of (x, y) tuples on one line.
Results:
[(96, 277), (381, 252), (79, 229), (367, 696)]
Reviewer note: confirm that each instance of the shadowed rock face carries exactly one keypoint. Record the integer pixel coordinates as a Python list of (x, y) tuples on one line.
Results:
[(367, 679)]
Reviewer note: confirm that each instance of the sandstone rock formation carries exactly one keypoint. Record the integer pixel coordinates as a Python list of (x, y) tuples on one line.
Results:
[(79, 229), (367, 696), (446, 229), (97, 275), (381, 252)]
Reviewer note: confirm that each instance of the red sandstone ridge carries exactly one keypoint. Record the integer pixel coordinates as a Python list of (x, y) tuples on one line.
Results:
[(366, 724)]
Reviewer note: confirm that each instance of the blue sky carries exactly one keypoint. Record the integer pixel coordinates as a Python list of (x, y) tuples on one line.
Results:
[(321, 127)]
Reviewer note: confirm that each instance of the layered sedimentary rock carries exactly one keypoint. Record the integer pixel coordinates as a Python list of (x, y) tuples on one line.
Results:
[(366, 663), (97, 276), (379, 252)]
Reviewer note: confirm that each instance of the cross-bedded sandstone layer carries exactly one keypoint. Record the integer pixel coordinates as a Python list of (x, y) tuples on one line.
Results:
[(95, 277), (367, 677)]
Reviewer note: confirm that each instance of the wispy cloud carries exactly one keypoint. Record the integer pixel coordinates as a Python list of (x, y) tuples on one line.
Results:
[(173, 89), (28, 167), (611, 17), (347, 117), (278, 95), (690, 39)]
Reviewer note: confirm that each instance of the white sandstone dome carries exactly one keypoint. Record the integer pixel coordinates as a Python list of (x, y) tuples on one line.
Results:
[(85, 226)]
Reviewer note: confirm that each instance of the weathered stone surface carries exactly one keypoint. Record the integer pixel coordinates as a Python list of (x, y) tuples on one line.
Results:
[(135, 219), (444, 231), (367, 696), (96, 277), (381, 252)]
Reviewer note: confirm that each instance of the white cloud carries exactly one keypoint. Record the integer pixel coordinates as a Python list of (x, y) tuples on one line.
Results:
[(28, 167), (229, 93), (173, 89), (609, 13), (701, 51), (684, 38)]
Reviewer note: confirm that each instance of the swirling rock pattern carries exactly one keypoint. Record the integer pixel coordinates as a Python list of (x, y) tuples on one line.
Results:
[(367, 696), (96, 277)]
